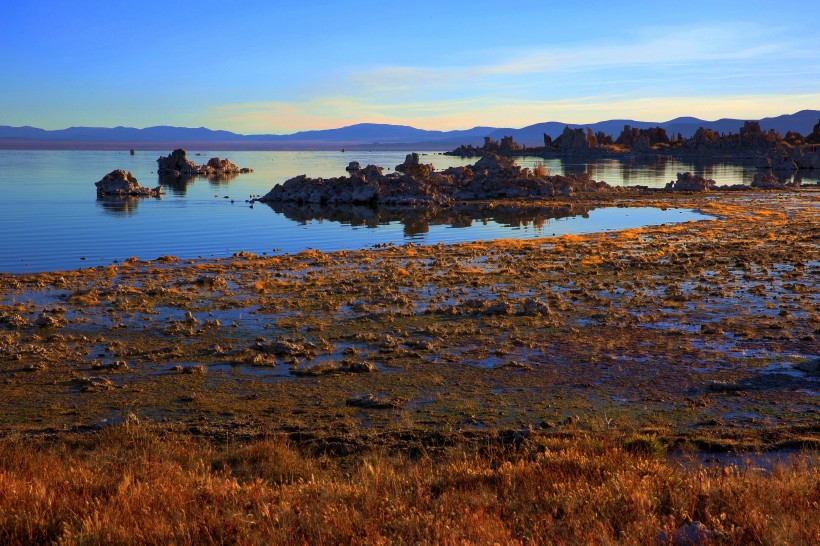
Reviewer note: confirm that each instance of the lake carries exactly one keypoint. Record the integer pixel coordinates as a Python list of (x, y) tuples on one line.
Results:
[(51, 218)]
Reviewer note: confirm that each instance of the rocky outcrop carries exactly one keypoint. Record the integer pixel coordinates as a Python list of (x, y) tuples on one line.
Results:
[(412, 166), (814, 136), (507, 147), (178, 164), (690, 182), (120, 183), (768, 181), (577, 141), (216, 165), (416, 184)]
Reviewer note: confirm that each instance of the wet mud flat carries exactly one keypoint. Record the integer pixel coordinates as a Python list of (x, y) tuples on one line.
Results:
[(701, 333)]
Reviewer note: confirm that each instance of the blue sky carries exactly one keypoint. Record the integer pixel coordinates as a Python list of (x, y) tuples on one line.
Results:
[(280, 67)]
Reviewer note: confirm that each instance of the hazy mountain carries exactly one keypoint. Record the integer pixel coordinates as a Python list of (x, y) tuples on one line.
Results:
[(533, 135), (364, 135)]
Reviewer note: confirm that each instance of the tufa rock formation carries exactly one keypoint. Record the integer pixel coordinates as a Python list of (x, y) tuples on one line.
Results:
[(412, 166), (178, 164), (768, 181), (415, 184), (120, 183), (690, 182), (577, 141)]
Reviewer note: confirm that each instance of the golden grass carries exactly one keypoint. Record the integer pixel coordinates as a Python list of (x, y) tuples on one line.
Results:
[(137, 484)]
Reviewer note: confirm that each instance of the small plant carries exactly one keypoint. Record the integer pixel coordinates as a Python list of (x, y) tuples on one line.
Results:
[(540, 170), (645, 444)]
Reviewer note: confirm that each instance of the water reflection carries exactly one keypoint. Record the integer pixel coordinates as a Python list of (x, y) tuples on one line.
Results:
[(122, 207), (178, 185), (418, 222), (657, 172)]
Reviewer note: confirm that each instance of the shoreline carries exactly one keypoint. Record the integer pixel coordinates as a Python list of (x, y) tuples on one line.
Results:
[(577, 314)]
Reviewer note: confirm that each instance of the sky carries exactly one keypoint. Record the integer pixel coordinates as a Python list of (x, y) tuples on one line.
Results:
[(284, 66)]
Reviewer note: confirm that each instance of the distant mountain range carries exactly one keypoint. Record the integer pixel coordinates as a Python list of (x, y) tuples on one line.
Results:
[(359, 136)]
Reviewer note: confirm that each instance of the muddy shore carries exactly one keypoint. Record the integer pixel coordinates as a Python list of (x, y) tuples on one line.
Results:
[(702, 333)]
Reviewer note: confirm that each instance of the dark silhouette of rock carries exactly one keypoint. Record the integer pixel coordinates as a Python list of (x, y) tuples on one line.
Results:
[(814, 136), (604, 139), (120, 183), (629, 135), (508, 145), (547, 140), (577, 141)]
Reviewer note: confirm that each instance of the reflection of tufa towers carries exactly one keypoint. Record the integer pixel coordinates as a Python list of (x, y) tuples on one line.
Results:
[(122, 207)]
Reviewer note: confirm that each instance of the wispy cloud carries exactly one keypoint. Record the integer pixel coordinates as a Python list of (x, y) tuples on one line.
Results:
[(708, 50)]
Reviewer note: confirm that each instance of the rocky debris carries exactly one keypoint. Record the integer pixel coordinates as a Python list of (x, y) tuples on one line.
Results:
[(51, 318), (116, 365), (534, 307), (690, 182), (197, 369), (177, 164), (370, 401), (527, 307), (288, 348), (331, 368), (121, 183), (212, 281), (415, 184), (14, 320), (515, 365), (95, 384), (190, 319), (49, 321)]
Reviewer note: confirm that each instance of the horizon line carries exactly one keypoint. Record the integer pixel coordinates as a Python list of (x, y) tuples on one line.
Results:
[(403, 125)]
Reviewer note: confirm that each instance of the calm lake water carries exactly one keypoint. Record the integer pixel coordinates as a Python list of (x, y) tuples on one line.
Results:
[(51, 219)]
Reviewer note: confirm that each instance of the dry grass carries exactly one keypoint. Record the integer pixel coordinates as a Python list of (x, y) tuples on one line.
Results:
[(137, 484), (540, 170)]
